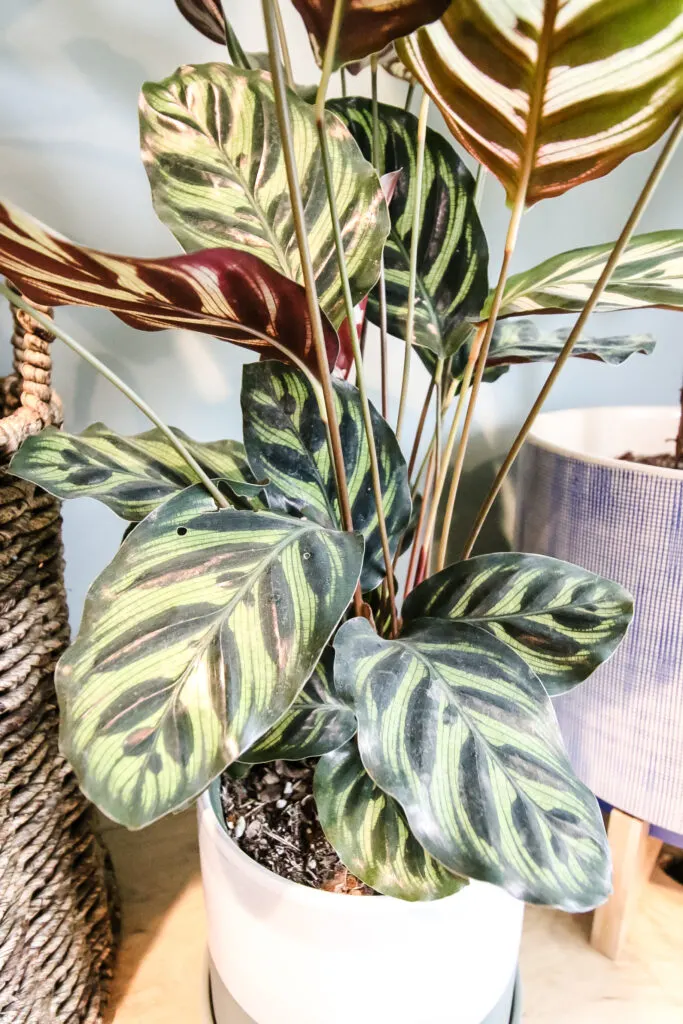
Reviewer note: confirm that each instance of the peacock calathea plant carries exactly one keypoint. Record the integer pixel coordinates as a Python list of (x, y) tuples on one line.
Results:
[(253, 611)]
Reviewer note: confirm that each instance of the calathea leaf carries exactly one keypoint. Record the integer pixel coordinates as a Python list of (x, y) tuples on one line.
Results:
[(370, 833), (650, 273), (457, 728), (452, 279), (521, 341), (368, 25), (563, 621), (206, 16), (211, 146), (286, 443), (225, 292), (583, 84), (194, 642), (132, 475), (316, 723)]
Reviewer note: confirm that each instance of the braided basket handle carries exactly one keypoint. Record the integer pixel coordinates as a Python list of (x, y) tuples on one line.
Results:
[(29, 404)]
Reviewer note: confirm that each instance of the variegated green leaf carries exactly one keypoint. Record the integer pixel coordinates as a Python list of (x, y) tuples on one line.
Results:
[(368, 25), (574, 85), (650, 273), (315, 724), (370, 833), (563, 621), (132, 475), (521, 341), (285, 440), (225, 292), (194, 642), (211, 146), (452, 277), (459, 730)]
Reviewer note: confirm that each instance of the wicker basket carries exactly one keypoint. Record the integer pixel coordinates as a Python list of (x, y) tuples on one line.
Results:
[(58, 918)]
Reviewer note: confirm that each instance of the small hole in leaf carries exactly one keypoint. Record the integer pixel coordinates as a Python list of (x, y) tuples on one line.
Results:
[(181, 531)]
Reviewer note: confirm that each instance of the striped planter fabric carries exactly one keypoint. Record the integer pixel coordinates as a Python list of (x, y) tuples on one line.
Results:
[(577, 501)]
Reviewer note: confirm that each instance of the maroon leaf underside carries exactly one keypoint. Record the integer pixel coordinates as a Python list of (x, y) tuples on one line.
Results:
[(206, 16), (227, 293)]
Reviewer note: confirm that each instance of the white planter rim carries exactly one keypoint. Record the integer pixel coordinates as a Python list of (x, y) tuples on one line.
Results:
[(547, 420), (211, 818)]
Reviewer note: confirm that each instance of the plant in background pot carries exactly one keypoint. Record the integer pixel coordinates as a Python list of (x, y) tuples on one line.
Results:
[(250, 626)]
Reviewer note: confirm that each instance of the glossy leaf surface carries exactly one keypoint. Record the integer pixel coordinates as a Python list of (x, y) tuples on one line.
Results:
[(650, 273), (370, 833), (212, 149), (368, 26), (194, 642), (315, 724), (583, 84), (452, 279), (225, 292), (459, 730), (132, 475), (286, 443), (521, 341), (563, 621)]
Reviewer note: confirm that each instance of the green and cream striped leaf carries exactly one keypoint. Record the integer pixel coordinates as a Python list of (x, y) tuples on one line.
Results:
[(522, 341), (577, 84), (650, 273), (370, 833), (315, 724), (563, 621), (285, 440), (452, 270), (211, 146), (132, 475), (194, 642), (457, 728)]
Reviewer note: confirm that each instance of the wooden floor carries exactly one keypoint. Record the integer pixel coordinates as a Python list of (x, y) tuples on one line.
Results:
[(161, 966)]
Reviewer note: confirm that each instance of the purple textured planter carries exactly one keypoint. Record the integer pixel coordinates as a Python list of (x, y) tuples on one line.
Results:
[(576, 500)]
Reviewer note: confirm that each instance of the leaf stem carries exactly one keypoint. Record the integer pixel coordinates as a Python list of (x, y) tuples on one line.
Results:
[(235, 51), (348, 303), (420, 427), (414, 243), (342, 75), (382, 283), (479, 186), (282, 36), (409, 95), (600, 285), (334, 437), (53, 328)]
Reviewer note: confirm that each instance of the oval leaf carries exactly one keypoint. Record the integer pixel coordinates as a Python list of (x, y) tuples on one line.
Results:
[(132, 475), (452, 270), (563, 621), (459, 730), (650, 273), (225, 292), (583, 84), (194, 642), (211, 146), (368, 25), (285, 441), (315, 724), (370, 833)]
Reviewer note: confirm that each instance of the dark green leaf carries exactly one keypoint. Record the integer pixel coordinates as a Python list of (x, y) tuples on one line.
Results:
[(521, 341), (285, 441), (316, 723), (194, 642), (370, 833), (562, 620), (459, 730), (452, 266)]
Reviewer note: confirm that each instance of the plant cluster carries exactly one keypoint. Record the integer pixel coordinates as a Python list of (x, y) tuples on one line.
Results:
[(254, 613)]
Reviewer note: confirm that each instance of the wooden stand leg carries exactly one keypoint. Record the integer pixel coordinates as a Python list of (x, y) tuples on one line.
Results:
[(634, 855)]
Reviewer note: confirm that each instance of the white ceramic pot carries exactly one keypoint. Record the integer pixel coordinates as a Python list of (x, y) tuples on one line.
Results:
[(577, 500), (282, 953)]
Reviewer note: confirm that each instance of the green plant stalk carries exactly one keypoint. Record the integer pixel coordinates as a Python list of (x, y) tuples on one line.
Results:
[(600, 285), (448, 401), (517, 212), (348, 303), (414, 242), (479, 186), (409, 95), (381, 284), (282, 36), (342, 76), (124, 388), (334, 437)]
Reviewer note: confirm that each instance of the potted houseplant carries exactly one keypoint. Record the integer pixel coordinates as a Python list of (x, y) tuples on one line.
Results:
[(250, 627)]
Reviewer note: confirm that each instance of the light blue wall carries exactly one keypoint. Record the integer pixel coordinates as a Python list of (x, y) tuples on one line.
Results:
[(70, 72)]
